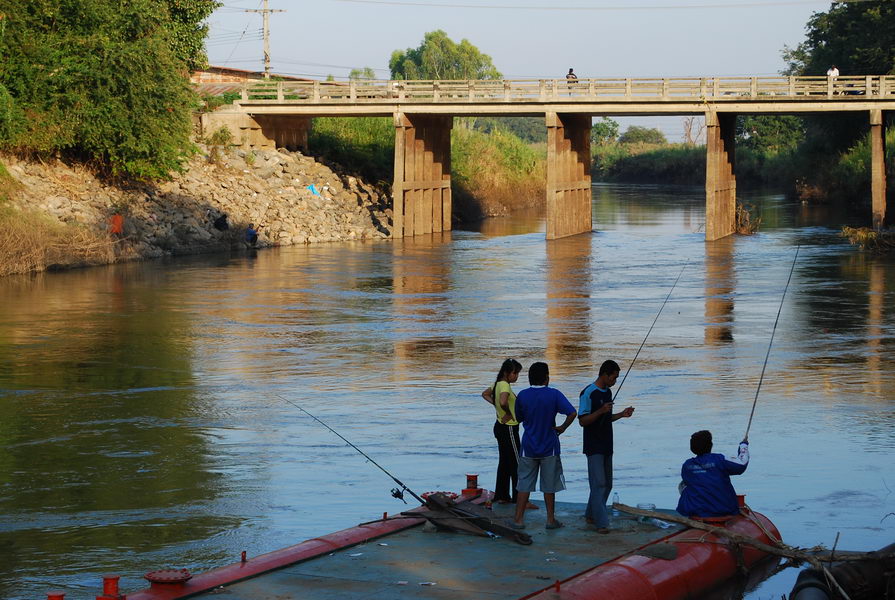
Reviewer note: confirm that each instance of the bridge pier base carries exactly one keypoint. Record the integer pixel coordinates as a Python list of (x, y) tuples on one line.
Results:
[(422, 184), (568, 175), (878, 167), (720, 180)]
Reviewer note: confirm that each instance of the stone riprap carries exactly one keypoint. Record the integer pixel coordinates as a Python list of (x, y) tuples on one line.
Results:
[(269, 187)]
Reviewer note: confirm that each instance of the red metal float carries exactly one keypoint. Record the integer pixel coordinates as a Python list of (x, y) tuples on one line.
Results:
[(703, 560)]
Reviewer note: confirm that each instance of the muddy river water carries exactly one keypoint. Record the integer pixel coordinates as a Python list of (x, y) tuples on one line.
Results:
[(147, 414)]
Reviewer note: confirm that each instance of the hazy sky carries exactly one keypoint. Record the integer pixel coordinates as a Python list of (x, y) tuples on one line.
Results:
[(525, 38)]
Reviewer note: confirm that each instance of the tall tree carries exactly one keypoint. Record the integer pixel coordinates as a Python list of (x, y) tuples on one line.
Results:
[(857, 37), (439, 57), (188, 29)]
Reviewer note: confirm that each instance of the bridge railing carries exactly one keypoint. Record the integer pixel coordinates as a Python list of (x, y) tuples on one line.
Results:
[(716, 89)]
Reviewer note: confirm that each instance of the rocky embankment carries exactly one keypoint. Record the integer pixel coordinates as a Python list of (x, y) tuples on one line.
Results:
[(295, 198)]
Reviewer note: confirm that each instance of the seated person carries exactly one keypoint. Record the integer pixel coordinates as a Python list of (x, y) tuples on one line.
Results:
[(252, 234), (706, 490)]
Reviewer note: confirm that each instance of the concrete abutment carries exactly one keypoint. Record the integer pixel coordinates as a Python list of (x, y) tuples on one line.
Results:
[(878, 168), (720, 178), (568, 175)]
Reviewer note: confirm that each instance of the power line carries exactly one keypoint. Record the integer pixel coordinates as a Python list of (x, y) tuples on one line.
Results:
[(265, 14), (600, 8), (236, 45)]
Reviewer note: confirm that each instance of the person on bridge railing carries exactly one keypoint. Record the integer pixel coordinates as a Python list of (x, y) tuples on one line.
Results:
[(833, 71)]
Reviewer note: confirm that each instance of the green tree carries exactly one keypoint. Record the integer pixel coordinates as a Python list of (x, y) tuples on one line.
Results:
[(604, 131), (530, 130), (642, 135), (857, 37), (366, 73), (769, 133), (95, 79), (439, 57), (188, 30)]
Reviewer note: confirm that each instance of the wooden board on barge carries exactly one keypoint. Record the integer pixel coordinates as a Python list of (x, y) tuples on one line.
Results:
[(459, 566)]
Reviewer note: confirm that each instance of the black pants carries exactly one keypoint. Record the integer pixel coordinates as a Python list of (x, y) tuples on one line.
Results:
[(508, 465)]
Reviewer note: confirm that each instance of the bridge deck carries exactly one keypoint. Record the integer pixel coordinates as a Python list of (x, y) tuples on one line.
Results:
[(683, 95)]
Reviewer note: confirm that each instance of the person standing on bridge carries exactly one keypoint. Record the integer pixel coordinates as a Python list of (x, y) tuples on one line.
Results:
[(833, 72), (571, 79)]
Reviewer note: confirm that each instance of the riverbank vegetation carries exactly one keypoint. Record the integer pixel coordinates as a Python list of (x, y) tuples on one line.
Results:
[(101, 81), (32, 241), (491, 173), (870, 239)]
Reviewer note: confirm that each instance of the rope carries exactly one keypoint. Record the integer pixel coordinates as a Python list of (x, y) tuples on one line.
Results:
[(636, 354), (768, 354)]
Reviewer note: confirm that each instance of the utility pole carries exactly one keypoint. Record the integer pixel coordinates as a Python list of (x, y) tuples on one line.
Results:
[(265, 19)]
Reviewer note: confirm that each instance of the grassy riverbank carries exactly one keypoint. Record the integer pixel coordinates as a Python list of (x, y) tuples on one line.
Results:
[(491, 173), (846, 175), (32, 241)]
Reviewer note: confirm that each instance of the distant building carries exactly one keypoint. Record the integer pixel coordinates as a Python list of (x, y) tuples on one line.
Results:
[(268, 131), (213, 81)]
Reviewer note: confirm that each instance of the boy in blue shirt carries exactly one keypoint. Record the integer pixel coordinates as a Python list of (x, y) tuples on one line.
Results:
[(536, 409), (706, 490)]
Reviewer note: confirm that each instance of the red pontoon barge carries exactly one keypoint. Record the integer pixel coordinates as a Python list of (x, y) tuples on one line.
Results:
[(399, 557)]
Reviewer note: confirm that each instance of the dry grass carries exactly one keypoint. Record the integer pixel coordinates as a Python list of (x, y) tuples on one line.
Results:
[(30, 241), (870, 239), (745, 224)]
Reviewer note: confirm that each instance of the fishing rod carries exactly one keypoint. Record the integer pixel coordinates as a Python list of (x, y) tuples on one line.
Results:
[(764, 366), (396, 493), (636, 354)]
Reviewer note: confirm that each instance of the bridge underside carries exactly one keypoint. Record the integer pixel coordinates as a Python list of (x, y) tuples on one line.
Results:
[(422, 188)]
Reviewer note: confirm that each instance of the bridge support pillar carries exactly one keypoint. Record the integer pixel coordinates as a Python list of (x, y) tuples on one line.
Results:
[(720, 181), (878, 167), (422, 184), (568, 175)]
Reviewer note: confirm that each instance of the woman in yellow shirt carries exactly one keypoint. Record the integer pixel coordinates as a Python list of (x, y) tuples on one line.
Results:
[(506, 430)]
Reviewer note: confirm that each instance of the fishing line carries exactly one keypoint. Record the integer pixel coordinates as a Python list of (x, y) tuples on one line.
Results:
[(636, 354), (764, 366), (396, 493)]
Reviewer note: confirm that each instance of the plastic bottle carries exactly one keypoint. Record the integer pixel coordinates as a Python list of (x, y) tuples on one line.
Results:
[(615, 512)]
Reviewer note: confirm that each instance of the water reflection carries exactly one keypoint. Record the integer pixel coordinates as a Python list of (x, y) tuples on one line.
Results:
[(568, 283), (720, 282), (97, 440), (422, 279), (143, 424)]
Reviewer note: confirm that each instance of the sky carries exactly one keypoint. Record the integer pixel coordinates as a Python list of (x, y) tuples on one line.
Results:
[(524, 38)]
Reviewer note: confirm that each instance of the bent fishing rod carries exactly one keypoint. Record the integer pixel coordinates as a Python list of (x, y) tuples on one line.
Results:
[(636, 354), (764, 366), (396, 493)]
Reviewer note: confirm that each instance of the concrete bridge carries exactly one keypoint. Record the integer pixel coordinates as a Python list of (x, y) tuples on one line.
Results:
[(423, 111)]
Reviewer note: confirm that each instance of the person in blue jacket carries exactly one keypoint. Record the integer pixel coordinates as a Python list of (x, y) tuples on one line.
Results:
[(706, 490)]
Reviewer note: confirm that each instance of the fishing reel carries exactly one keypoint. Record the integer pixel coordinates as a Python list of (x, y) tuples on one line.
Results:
[(399, 494)]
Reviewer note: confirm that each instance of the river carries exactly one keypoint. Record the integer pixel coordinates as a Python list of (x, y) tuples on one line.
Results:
[(148, 409)]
